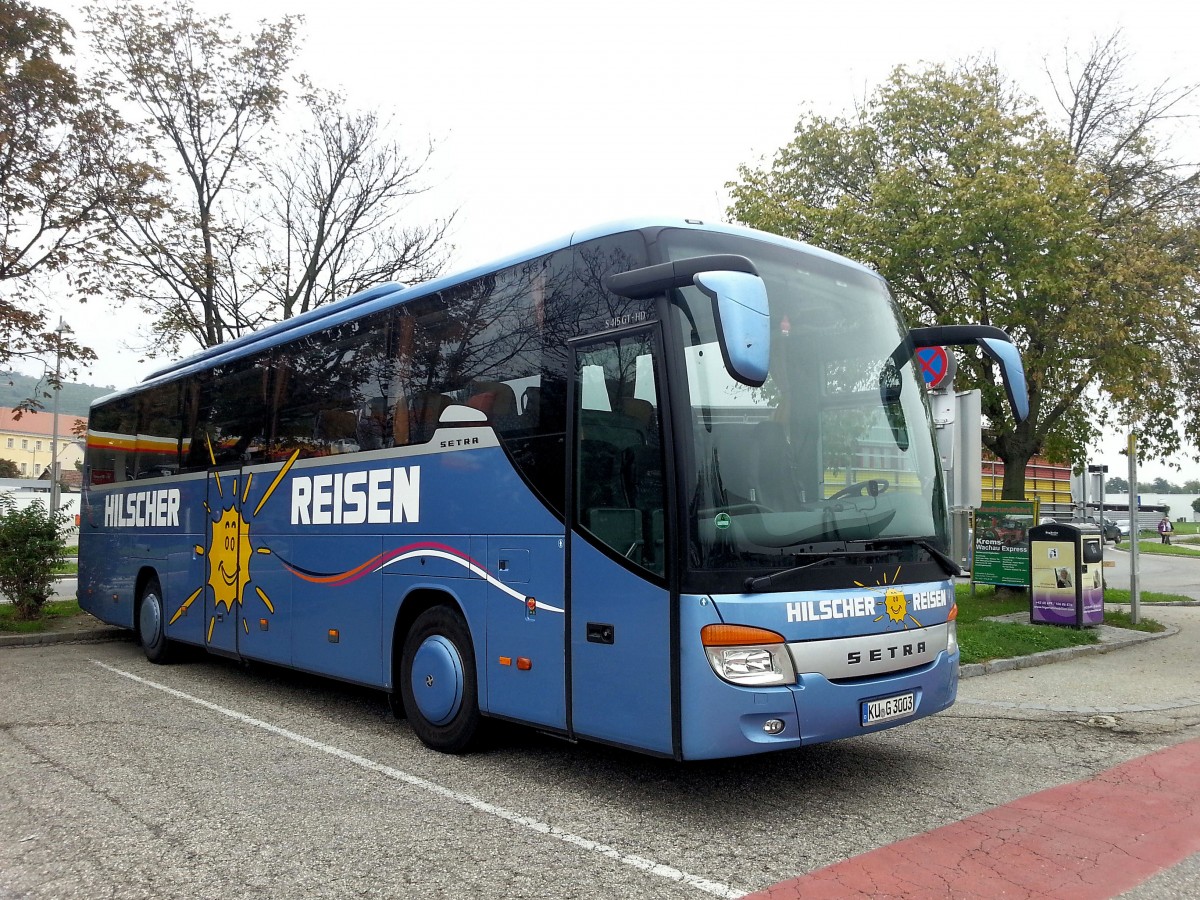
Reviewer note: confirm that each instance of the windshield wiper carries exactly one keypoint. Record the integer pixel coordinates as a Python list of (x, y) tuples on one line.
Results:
[(941, 558), (765, 582)]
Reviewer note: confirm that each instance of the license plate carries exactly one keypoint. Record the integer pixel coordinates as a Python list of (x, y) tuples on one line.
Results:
[(888, 708)]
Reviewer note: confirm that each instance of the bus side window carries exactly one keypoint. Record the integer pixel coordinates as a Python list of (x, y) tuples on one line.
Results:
[(619, 491)]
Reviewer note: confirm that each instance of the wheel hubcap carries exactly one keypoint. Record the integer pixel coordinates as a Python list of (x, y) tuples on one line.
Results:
[(438, 680), (150, 620)]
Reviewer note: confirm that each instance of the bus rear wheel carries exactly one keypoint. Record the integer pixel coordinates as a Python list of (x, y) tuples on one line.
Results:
[(438, 683), (152, 626)]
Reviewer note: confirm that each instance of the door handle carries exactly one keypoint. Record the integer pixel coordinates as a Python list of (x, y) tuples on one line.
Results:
[(600, 633)]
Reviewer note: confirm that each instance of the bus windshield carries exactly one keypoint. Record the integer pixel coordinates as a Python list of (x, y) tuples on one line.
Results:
[(835, 451)]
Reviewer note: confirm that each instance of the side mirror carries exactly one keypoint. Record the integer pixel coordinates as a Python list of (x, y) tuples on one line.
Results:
[(996, 344), (740, 307), (743, 320)]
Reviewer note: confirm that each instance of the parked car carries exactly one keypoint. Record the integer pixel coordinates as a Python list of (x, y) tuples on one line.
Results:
[(1122, 529), (1112, 530)]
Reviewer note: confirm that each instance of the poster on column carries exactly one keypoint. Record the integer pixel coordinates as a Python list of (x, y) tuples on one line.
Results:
[(1053, 588), (1000, 554)]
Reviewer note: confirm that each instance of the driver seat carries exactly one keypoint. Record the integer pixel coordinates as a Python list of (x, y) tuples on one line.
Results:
[(772, 467)]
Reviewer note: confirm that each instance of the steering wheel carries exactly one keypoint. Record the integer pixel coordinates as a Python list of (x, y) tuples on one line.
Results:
[(872, 486)]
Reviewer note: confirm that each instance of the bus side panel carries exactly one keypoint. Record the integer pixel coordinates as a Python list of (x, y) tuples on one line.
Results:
[(105, 581), (187, 571), (336, 614), (268, 605), (620, 653), (525, 629)]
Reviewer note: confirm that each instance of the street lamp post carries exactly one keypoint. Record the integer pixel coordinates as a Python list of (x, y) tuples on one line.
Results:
[(60, 330)]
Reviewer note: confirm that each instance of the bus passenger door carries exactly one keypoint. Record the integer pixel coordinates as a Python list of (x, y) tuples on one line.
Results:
[(619, 607), (227, 552)]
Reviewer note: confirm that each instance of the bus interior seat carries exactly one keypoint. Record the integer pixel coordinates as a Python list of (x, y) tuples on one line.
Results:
[(772, 467), (336, 425), (496, 399), (426, 410), (400, 423), (730, 450), (638, 411)]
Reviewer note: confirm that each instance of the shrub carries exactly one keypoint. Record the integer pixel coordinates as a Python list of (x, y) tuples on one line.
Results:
[(31, 544)]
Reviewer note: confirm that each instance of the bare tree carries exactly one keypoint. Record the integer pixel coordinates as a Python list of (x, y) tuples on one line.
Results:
[(208, 96), (337, 200), (252, 224)]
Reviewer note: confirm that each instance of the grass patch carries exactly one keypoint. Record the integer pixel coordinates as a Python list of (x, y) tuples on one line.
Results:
[(55, 609), (67, 567), (1121, 595), (1120, 618), (985, 641), (981, 640), (1165, 549)]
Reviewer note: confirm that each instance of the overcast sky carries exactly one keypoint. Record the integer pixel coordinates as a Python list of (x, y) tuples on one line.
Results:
[(552, 116)]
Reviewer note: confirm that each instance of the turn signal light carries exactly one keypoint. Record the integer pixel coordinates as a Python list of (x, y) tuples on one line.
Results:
[(737, 636)]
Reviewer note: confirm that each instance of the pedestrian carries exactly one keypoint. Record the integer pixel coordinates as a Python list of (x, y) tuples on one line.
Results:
[(1165, 529)]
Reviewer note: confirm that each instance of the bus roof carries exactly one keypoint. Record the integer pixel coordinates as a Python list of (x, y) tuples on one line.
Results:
[(385, 295)]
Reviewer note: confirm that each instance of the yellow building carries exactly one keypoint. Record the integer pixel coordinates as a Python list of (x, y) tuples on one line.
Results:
[(27, 441)]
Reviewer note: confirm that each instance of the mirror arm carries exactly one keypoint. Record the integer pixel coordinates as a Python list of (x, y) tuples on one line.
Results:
[(956, 335), (650, 280), (994, 342)]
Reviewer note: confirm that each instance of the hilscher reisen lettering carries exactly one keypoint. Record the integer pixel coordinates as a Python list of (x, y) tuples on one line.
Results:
[(142, 509), (376, 497), (834, 608)]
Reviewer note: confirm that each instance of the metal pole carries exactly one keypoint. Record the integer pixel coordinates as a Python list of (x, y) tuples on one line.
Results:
[(1084, 480), (54, 473), (1135, 600)]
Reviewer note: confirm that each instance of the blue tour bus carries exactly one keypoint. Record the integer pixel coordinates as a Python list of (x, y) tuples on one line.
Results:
[(664, 485)]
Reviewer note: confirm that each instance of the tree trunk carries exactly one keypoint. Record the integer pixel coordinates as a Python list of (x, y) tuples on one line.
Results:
[(1014, 477)]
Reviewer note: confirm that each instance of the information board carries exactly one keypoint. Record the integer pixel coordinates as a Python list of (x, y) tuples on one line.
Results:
[(1001, 546)]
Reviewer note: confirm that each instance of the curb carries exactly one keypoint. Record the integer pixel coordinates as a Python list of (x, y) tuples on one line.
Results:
[(1046, 657), (99, 635)]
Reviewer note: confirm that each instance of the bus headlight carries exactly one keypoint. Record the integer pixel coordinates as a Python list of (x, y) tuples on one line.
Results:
[(743, 655), (952, 630)]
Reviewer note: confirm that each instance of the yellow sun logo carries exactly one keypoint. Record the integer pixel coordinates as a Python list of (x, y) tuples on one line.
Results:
[(229, 547), (228, 543), (895, 603)]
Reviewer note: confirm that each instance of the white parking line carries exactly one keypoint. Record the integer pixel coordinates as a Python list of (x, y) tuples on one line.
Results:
[(649, 866)]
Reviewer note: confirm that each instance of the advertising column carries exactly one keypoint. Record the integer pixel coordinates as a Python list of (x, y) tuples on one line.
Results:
[(1053, 585)]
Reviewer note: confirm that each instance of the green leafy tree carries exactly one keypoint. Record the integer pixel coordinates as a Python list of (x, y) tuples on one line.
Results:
[(9, 469), (64, 180), (32, 543), (1116, 485), (956, 187)]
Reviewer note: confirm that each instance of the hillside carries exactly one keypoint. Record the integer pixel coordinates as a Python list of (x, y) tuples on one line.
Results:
[(74, 399)]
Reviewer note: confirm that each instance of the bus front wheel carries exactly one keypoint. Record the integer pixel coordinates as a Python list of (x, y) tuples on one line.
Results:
[(438, 683), (152, 628)]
